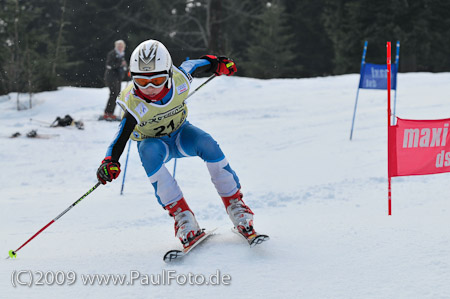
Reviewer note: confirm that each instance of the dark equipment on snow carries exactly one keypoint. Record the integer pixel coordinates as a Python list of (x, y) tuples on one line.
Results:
[(32, 134), (67, 121)]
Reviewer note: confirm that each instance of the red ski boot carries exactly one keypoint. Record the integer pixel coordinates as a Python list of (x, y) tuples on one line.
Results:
[(240, 214), (186, 226)]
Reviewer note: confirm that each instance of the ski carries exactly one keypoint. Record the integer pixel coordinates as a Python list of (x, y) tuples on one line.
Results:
[(254, 239), (176, 254), (34, 134)]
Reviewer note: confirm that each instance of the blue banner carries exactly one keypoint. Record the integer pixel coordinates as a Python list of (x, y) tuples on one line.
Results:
[(374, 76)]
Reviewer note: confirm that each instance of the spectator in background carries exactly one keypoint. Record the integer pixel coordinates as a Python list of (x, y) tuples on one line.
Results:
[(116, 69)]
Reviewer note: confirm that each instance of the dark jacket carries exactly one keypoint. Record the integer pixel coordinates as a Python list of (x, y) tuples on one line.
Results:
[(114, 69)]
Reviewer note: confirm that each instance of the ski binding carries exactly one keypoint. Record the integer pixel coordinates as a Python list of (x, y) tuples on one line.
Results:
[(175, 254), (254, 239)]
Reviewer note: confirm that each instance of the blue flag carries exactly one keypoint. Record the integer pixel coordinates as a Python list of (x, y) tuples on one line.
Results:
[(374, 76)]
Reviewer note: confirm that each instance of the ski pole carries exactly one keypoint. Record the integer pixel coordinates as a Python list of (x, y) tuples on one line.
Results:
[(204, 83), (40, 121), (229, 64), (125, 170), (13, 253)]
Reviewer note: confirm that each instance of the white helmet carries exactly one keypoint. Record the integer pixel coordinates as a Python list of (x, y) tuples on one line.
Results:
[(151, 56)]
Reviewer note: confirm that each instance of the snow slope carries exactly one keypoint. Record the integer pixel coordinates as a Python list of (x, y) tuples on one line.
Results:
[(321, 198)]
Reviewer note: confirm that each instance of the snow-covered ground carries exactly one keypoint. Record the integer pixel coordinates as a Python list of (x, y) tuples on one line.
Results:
[(321, 198)]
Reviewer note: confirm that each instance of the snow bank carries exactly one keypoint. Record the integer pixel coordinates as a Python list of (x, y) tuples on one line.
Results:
[(320, 197)]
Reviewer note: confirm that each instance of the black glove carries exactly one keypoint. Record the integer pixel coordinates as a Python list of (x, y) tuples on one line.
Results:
[(108, 170), (221, 65)]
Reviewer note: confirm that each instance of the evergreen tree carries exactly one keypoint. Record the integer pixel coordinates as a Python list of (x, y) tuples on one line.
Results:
[(28, 39), (270, 51), (421, 26), (439, 33), (339, 30), (44, 43), (313, 47)]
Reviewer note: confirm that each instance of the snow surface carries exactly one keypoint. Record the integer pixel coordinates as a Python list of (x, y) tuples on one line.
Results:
[(321, 198)]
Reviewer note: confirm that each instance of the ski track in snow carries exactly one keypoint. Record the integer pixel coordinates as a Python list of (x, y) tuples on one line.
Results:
[(321, 198)]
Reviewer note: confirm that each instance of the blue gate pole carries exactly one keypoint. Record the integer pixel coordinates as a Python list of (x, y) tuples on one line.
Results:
[(397, 57), (125, 169), (363, 61)]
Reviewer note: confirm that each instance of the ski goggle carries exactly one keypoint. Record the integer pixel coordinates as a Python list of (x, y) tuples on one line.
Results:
[(155, 81)]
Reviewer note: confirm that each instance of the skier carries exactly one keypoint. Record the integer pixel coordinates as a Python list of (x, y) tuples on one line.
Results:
[(116, 67), (155, 116)]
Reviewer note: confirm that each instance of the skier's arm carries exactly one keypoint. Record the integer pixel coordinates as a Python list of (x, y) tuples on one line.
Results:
[(209, 64), (195, 67), (110, 166), (117, 146)]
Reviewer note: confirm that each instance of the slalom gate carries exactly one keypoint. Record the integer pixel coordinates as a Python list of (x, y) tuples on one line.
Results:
[(415, 147), (374, 76)]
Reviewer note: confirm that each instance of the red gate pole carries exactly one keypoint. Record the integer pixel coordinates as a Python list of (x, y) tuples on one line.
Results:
[(389, 120)]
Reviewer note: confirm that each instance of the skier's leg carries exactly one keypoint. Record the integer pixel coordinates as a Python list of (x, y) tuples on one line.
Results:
[(154, 153), (116, 86), (114, 90), (195, 142)]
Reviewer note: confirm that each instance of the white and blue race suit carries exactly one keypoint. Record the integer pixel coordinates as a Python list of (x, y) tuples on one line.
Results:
[(162, 133)]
